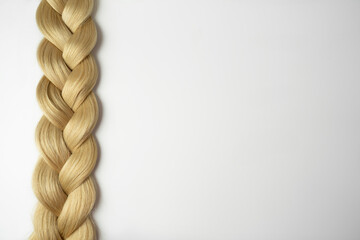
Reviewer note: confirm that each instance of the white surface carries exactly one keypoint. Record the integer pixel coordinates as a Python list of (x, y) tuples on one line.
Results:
[(221, 120)]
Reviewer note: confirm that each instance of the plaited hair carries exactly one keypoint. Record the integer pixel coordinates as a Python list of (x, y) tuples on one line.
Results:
[(62, 179)]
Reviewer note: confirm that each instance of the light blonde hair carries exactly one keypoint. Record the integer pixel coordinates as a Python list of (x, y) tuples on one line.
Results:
[(62, 179)]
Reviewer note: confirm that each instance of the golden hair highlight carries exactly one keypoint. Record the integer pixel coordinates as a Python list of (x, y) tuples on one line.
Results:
[(62, 180)]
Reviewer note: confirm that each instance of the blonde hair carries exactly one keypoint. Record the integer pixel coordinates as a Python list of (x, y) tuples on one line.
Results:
[(62, 179)]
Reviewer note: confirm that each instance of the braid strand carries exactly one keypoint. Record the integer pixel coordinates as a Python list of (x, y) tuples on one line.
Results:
[(62, 180)]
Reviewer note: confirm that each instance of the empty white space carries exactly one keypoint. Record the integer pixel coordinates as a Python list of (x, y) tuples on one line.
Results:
[(220, 119)]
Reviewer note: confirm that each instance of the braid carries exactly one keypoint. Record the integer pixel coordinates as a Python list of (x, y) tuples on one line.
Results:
[(62, 179)]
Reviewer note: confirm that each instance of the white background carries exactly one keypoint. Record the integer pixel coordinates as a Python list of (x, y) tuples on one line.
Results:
[(221, 119)]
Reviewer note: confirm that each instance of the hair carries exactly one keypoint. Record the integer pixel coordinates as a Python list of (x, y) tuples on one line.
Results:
[(62, 180)]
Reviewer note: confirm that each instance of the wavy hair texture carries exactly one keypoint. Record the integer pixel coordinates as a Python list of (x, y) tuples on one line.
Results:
[(62, 179)]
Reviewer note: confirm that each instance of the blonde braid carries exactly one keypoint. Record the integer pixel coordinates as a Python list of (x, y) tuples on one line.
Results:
[(62, 179)]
